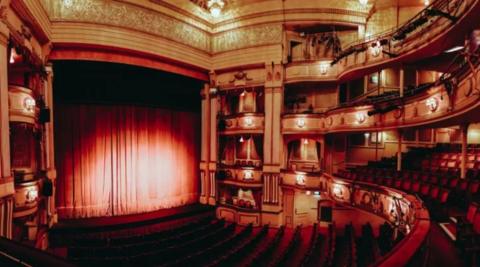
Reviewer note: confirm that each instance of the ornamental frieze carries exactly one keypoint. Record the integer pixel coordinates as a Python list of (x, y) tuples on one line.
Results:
[(247, 37)]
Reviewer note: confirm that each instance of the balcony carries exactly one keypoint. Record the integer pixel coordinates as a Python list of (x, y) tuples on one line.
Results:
[(242, 123), (433, 30)]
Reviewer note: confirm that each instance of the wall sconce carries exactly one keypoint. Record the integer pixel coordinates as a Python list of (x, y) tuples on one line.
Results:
[(324, 68), (376, 49), (361, 117), (432, 104), (316, 194), (29, 104), (337, 190), (300, 123), (31, 195), (300, 179), (308, 192), (305, 141), (241, 139), (248, 121), (367, 135), (243, 93), (215, 7), (426, 2), (248, 175)]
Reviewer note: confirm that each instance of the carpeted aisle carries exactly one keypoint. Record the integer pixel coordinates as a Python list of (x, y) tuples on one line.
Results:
[(442, 250)]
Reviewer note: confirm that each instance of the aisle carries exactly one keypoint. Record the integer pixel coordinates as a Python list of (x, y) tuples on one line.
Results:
[(442, 250)]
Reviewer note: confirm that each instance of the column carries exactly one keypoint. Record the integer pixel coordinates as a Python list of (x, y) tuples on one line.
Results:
[(399, 150), (50, 146), (402, 81), (213, 151), (463, 170), (205, 146), (272, 146), (6, 181)]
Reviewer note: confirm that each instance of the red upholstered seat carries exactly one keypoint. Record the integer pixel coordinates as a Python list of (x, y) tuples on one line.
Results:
[(397, 183), (444, 181), (453, 183), (443, 196), (471, 211), (434, 192), (406, 185), (416, 187), (424, 189), (476, 223), (462, 185)]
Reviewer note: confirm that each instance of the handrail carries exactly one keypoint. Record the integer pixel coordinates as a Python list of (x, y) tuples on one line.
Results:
[(401, 31), (29, 256), (416, 216)]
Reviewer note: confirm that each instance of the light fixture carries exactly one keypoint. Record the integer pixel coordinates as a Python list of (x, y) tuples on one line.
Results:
[(363, 2), (243, 93), (248, 121), (367, 135), (308, 192), (300, 179), (426, 2), (248, 175), (454, 49), (361, 117), (305, 141), (29, 104), (376, 49), (68, 3), (31, 195), (241, 139), (13, 56), (300, 123), (432, 104), (215, 7), (324, 68), (337, 190)]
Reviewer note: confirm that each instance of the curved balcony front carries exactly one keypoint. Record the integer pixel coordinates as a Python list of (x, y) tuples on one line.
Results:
[(26, 198), (246, 177), (406, 212), (436, 34), (22, 106), (442, 104), (301, 180), (243, 123)]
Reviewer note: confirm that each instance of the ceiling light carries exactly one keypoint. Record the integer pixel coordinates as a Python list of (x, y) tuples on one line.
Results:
[(215, 7), (68, 3), (363, 2), (454, 49)]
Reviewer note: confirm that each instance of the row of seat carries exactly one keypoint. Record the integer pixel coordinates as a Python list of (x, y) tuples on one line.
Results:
[(146, 243)]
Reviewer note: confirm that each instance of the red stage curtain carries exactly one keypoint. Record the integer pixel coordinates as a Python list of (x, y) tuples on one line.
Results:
[(118, 160)]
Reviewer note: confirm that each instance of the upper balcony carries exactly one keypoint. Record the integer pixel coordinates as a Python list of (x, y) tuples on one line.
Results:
[(451, 98), (438, 27)]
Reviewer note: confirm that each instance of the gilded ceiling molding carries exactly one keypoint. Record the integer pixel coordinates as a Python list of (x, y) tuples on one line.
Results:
[(131, 17), (265, 34)]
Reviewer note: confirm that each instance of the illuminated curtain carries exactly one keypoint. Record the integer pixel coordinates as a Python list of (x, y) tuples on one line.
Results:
[(117, 160)]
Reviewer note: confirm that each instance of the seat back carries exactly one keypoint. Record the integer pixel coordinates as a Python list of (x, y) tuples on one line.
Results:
[(424, 189), (443, 196), (471, 211), (434, 191), (476, 223), (416, 187)]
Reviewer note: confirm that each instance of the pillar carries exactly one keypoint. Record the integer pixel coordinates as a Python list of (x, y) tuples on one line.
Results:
[(463, 170), (213, 151), (50, 146), (272, 145), (399, 150), (402, 81), (6, 180), (205, 146)]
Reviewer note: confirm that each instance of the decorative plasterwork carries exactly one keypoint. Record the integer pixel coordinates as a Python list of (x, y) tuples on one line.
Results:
[(131, 17), (247, 37)]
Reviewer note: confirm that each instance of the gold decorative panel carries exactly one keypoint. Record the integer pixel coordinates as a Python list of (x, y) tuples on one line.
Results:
[(131, 17), (247, 37)]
